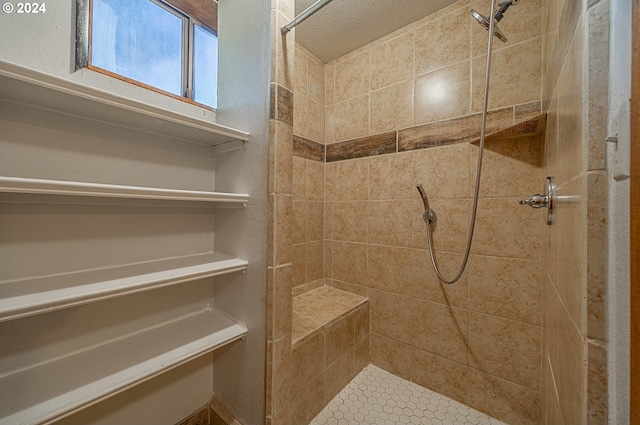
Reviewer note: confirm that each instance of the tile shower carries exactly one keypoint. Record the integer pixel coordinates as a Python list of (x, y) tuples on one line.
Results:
[(367, 127)]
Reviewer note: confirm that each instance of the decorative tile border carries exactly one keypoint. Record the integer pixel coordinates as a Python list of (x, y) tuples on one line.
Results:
[(528, 120), (308, 149), (281, 104), (365, 146)]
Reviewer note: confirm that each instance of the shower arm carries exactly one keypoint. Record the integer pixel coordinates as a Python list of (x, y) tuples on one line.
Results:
[(304, 15)]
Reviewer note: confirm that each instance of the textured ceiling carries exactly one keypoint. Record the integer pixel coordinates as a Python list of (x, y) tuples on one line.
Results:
[(344, 25)]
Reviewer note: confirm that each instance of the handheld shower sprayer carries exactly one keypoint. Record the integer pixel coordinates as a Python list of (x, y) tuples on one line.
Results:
[(429, 216)]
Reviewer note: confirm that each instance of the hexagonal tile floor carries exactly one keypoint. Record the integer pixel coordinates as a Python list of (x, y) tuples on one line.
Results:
[(377, 397)]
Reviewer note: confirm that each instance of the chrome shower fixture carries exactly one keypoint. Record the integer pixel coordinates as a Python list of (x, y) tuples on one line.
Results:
[(484, 20)]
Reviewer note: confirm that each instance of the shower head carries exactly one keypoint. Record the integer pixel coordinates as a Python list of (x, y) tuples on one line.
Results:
[(484, 20)]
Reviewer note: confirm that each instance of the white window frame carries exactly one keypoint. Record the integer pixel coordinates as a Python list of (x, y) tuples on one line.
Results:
[(83, 45)]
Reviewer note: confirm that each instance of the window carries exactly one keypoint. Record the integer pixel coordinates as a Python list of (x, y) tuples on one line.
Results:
[(166, 45)]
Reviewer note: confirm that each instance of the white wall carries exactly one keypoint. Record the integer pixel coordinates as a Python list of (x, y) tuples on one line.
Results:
[(243, 102), (618, 222)]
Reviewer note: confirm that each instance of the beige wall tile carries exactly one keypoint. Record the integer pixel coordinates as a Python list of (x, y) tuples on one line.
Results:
[(299, 260), (315, 181), (390, 222), (426, 285), (360, 319), (282, 301), (338, 374), (283, 157), (352, 76), (440, 329), (315, 221), (551, 413), (300, 115), (596, 239), (391, 108), (349, 262), (282, 231), (281, 382), (570, 374), (506, 401), (390, 269), (551, 325), (388, 177), (338, 339), (443, 41), (328, 260), (392, 61), (442, 171), (515, 76), (299, 222), (329, 125), (505, 348), (329, 83), (307, 360), (569, 219), (308, 400), (272, 150), (315, 127), (315, 261), (391, 355), (506, 229), (510, 167), (441, 375), (570, 125), (442, 94), (347, 180), (301, 75), (506, 287), (351, 118), (349, 221), (551, 141), (596, 384), (391, 315), (299, 171), (361, 354), (315, 80), (598, 73)]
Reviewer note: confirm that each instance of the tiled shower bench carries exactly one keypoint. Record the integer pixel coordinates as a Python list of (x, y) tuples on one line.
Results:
[(330, 345)]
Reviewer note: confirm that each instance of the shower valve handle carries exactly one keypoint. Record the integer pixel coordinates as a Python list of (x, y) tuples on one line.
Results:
[(536, 201)]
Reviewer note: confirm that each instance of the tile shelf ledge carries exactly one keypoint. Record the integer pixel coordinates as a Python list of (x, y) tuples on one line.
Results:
[(27, 297), (124, 362), (527, 127), (100, 190), (25, 86)]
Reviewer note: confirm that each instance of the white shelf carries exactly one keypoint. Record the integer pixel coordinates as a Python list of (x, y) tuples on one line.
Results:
[(26, 86), (27, 297), (71, 188), (47, 392)]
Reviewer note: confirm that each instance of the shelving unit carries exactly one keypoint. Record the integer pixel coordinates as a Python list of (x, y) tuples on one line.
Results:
[(80, 373), (71, 188), (27, 297), (36, 89), (50, 391)]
